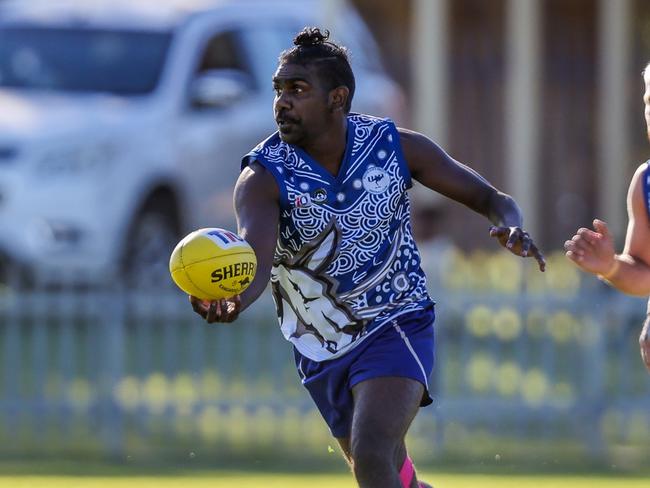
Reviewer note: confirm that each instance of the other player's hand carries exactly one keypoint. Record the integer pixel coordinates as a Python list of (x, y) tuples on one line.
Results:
[(592, 250), (644, 342), (518, 242), (224, 310)]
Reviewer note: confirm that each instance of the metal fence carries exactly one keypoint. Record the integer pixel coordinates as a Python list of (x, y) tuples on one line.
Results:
[(529, 368)]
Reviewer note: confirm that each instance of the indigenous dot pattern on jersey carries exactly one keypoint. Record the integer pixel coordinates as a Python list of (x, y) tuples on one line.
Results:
[(345, 253)]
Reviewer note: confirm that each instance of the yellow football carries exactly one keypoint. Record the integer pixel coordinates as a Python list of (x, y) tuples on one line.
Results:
[(212, 263)]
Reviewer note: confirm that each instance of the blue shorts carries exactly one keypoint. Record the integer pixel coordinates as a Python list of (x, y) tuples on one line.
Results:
[(402, 347)]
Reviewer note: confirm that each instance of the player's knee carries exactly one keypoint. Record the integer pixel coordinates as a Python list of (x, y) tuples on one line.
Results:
[(370, 459), (371, 467)]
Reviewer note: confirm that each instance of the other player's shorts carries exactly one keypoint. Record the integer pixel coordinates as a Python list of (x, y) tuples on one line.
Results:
[(402, 347)]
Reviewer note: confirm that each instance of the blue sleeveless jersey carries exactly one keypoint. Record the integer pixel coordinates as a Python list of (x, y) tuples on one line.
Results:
[(646, 200), (646, 192), (345, 262)]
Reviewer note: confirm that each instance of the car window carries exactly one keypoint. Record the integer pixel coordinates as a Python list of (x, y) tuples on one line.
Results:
[(266, 43), (225, 51), (81, 60), (350, 32), (268, 40)]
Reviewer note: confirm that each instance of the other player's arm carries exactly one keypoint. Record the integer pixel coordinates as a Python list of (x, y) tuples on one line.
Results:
[(435, 169), (593, 250), (256, 201), (631, 271)]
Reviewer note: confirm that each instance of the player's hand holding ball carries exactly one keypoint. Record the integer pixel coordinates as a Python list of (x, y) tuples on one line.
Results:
[(518, 242), (214, 266), (222, 310)]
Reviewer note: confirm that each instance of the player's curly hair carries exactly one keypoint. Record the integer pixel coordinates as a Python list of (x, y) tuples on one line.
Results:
[(313, 47)]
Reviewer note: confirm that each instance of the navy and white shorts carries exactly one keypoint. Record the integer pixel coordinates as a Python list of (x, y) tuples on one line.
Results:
[(402, 347)]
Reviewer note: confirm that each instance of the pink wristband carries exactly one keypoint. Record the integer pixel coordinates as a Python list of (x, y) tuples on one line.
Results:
[(406, 473)]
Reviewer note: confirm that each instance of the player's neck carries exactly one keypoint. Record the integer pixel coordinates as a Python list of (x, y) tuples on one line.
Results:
[(329, 148)]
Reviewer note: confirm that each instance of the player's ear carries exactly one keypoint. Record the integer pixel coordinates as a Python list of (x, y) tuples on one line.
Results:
[(338, 98)]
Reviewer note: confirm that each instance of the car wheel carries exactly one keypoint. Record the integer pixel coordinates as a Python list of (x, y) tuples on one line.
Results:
[(149, 244), (13, 276)]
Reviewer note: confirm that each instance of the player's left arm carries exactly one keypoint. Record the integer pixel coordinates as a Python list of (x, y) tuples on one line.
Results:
[(256, 202), (435, 169)]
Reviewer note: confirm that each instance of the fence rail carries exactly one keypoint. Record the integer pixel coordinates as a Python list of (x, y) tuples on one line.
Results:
[(528, 375)]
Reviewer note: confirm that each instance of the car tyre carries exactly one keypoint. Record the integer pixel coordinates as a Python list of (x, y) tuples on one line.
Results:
[(150, 241)]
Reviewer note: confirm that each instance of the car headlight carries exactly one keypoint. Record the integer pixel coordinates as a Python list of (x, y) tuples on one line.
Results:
[(47, 233), (67, 160)]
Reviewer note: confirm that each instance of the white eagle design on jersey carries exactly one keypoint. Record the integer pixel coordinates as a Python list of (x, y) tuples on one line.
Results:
[(345, 261)]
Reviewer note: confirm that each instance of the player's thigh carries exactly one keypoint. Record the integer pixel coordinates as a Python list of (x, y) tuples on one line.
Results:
[(384, 408)]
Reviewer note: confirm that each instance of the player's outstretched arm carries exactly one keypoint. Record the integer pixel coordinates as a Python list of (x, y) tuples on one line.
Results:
[(592, 250), (435, 169), (256, 200)]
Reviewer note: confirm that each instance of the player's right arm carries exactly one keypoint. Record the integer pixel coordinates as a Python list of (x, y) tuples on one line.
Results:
[(430, 165), (593, 250), (257, 207)]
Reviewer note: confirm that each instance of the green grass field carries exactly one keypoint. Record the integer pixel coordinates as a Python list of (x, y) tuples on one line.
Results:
[(222, 479)]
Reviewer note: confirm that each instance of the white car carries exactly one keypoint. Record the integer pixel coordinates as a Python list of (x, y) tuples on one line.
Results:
[(122, 123)]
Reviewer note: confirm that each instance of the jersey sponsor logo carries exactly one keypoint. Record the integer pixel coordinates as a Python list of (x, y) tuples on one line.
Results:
[(302, 200), (306, 200), (375, 180), (319, 196)]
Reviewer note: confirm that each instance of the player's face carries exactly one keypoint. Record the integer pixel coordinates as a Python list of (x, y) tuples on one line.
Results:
[(300, 106), (646, 101)]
